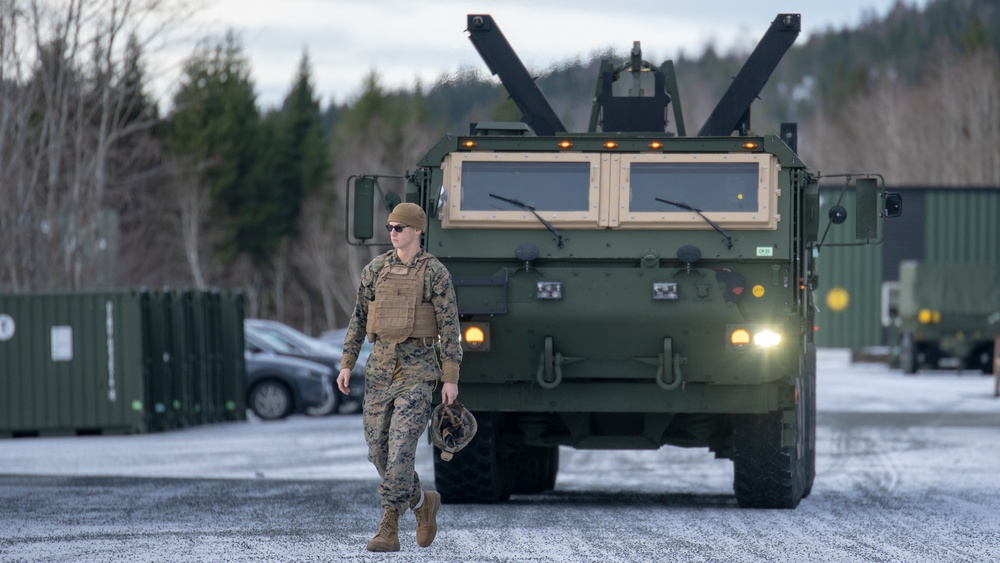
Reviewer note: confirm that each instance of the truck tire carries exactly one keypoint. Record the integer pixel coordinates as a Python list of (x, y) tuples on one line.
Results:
[(982, 358), (535, 469), (908, 359), (808, 367), (765, 474), (479, 473)]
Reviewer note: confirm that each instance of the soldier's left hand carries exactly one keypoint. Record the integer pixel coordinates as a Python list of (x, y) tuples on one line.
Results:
[(449, 392)]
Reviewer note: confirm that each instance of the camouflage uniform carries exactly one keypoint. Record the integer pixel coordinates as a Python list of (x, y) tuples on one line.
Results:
[(400, 378)]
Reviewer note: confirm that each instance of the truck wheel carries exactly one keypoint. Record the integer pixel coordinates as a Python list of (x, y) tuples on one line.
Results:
[(908, 359), (478, 473), (808, 367), (535, 469), (765, 474), (982, 358)]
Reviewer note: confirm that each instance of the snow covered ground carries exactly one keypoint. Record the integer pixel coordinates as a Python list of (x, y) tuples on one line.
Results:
[(333, 448), (908, 469)]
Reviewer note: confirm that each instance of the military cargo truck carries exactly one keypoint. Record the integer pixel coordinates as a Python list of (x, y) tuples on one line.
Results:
[(943, 311), (632, 286)]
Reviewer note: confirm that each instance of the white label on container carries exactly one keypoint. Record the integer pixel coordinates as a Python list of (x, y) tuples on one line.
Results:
[(112, 390), (765, 251), (62, 343)]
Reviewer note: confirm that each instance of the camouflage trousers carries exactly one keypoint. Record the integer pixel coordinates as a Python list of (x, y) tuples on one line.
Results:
[(395, 416)]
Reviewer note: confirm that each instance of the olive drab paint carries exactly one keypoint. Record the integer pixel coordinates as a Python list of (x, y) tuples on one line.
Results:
[(634, 286)]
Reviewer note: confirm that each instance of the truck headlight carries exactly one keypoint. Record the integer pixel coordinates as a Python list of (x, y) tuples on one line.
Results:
[(926, 316), (743, 337), (767, 339)]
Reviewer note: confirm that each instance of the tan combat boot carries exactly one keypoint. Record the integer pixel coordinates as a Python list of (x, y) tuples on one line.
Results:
[(427, 518), (387, 538)]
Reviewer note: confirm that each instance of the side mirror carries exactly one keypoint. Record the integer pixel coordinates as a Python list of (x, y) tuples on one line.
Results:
[(363, 192), (893, 204), (838, 214), (391, 200), (364, 207), (866, 209)]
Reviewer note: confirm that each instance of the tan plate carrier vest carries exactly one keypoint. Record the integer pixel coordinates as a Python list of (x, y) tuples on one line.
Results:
[(399, 311)]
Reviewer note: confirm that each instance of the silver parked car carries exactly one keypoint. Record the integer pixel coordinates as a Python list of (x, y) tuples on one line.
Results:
[(278, 386), (336, 338), (262, 335)]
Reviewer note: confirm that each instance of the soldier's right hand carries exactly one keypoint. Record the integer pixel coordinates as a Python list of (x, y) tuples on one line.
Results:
[(344, 381)]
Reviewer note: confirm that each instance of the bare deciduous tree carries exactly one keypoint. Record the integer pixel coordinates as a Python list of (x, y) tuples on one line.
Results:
[(74, 137), (943, 131)]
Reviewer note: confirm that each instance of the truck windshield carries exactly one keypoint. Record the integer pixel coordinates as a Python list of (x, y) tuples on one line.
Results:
[(708, 187), (544, 186)]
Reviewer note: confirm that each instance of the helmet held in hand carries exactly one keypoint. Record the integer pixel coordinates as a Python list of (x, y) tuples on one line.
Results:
[(452, 428)]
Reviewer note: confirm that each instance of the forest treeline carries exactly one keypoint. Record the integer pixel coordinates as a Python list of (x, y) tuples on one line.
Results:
[(101, 188)]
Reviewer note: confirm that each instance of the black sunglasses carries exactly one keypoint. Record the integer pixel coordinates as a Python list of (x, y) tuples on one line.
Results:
[(397, 228)]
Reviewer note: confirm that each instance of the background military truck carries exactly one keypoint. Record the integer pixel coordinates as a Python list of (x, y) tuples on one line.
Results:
[(629, 287), (937, 311)]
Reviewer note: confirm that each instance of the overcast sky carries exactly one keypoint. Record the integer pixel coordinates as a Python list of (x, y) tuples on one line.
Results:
[(403, 40)]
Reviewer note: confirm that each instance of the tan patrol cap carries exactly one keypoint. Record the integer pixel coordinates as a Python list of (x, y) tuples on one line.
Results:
[(409, 214)]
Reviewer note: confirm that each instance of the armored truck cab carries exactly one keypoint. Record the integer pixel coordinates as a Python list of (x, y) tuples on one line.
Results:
[(943, 312), (629, 287)]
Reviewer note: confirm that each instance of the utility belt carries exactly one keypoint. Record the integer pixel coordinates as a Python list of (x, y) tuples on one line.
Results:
[(426, 341)]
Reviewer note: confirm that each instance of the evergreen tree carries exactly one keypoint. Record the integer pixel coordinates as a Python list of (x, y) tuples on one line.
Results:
[(294, 163), (216, 126), (307, 164)]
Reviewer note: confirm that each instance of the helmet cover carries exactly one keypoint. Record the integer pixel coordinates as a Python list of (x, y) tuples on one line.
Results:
[(452, 428)]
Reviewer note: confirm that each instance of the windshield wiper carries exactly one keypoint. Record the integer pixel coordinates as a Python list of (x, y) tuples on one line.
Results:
[(526, 207), (729, 238)]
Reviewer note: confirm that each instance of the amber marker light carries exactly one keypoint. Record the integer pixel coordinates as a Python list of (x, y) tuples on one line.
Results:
[(474, 336), (740, 336), (656, 145), (565, 144), (611, 145), (749, 145), (469, 144)]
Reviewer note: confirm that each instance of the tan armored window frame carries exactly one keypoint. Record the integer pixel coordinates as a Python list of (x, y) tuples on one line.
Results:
[(737, 191), (470, 178), (598, 190)]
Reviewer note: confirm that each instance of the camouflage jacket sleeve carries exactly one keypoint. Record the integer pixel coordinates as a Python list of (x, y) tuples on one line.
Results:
[(438, 283), (357, 329)]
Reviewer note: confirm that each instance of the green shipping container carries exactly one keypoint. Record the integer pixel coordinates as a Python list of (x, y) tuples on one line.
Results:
[(120, 362), (71, 364), (955, 225)]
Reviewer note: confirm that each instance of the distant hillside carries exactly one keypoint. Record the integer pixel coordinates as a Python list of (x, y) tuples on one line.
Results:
[(831, 67)]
